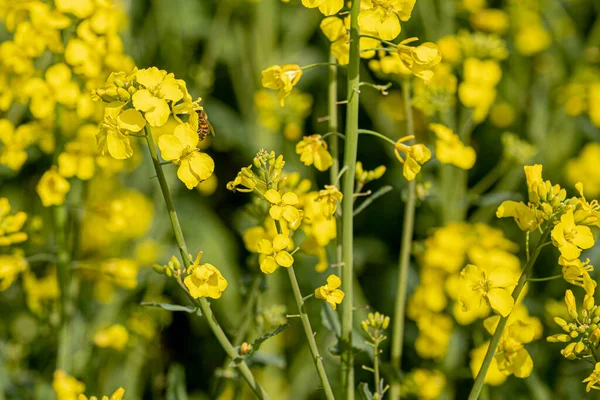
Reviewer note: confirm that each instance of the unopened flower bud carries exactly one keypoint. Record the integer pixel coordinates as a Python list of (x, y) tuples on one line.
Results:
[(560, 322), (123, 94), (245, 348), (574, 334), (158, 268), (579, 347)]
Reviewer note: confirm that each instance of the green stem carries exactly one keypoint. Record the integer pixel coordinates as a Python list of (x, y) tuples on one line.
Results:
[(332, 111), (63, 263), (362, 35), (376, 370), (323, 64), (310, 336), (489, 355), (489, 179), (201, 302), (379, 135), (350, 150), (548, 278), (405, 250)]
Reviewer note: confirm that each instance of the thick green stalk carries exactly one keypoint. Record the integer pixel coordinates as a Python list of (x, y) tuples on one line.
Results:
[(334, 141), (351, 147), (201, 302), (489, 355), (310, 336), (376, 377), (405, 250)]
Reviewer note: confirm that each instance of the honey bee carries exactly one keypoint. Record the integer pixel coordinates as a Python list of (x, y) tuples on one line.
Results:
[(204, 127)]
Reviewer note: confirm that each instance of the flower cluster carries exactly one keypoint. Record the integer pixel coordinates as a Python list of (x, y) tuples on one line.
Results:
[(449, 149)]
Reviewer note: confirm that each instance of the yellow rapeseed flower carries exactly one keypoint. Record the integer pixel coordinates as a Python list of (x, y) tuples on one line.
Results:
[(327, 7), (330, 196), (416, 155), (115, 337), (204, 280), (420, 60), (511, 356), (11, 224), (52, 188), (282, 78), (276, 254), (384, 16), (66, 387), (330, 292), (593, 381), (478, 89), (283, 206), (313, 150), (493, 286), (449, 149), (570, 238), (10, 268), (117, 395), (181, 148), (524, 216), (113, 135), (158, 88)]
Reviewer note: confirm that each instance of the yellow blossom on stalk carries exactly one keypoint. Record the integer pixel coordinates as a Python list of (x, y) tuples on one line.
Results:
[(478, 89), (115, 337), (282, 206), (11, 224), (490, 20), (113, 135), (157, 89), (511, 356), (52, 188), (117, 395), (66, 387), (435, 331), (10, 268), (570, 238), (494, 287), (493, 377), (336, 30), (384, 16), (40, 291), (449, 149), (524, 216), (204, 280), (416, 155), (41, 31), (586, 213), (275, 253), (429, 384), (57, 87), (282, 78), (531, 37), (584, 168), (313, 150), (79, 155), (593, 380), (420, 60), (576, 272), (330, 196), (181, 148), (330, 292), (327, 7)]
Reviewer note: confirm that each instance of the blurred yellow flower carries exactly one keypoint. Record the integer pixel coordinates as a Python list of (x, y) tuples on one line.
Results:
[(276, 253), (584, 169), (52, 188), (490, 20), (330, 292), (511, 356), (11, 224), (493, 377), (429, 384), (79, 155), (313, 150), (204, 280), (420, 60), (117, 395), (494, 287), (40, 291), (478, 89), (449, 149), (10, 268), (593, 380), (66, 387), (181, 149), (330, 196), (282, 78), (114, 337), (363, 177)]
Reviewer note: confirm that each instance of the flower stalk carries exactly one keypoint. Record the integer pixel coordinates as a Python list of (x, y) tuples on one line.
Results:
[(201, 302), (350, 150), (489, 355), (405, 250)]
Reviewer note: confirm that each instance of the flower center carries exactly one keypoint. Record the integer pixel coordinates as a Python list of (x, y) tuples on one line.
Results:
[(570, 234)]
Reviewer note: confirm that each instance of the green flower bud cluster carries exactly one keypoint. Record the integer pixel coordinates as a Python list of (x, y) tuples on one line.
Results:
[(172, 268), (581, 330), (119, 87), (375, 325), (269, 167)]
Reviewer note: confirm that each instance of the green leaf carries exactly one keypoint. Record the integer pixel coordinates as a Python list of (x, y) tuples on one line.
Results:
[(258, 342), (174, 307), (365, 391), (176, 383), (331, 320)]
